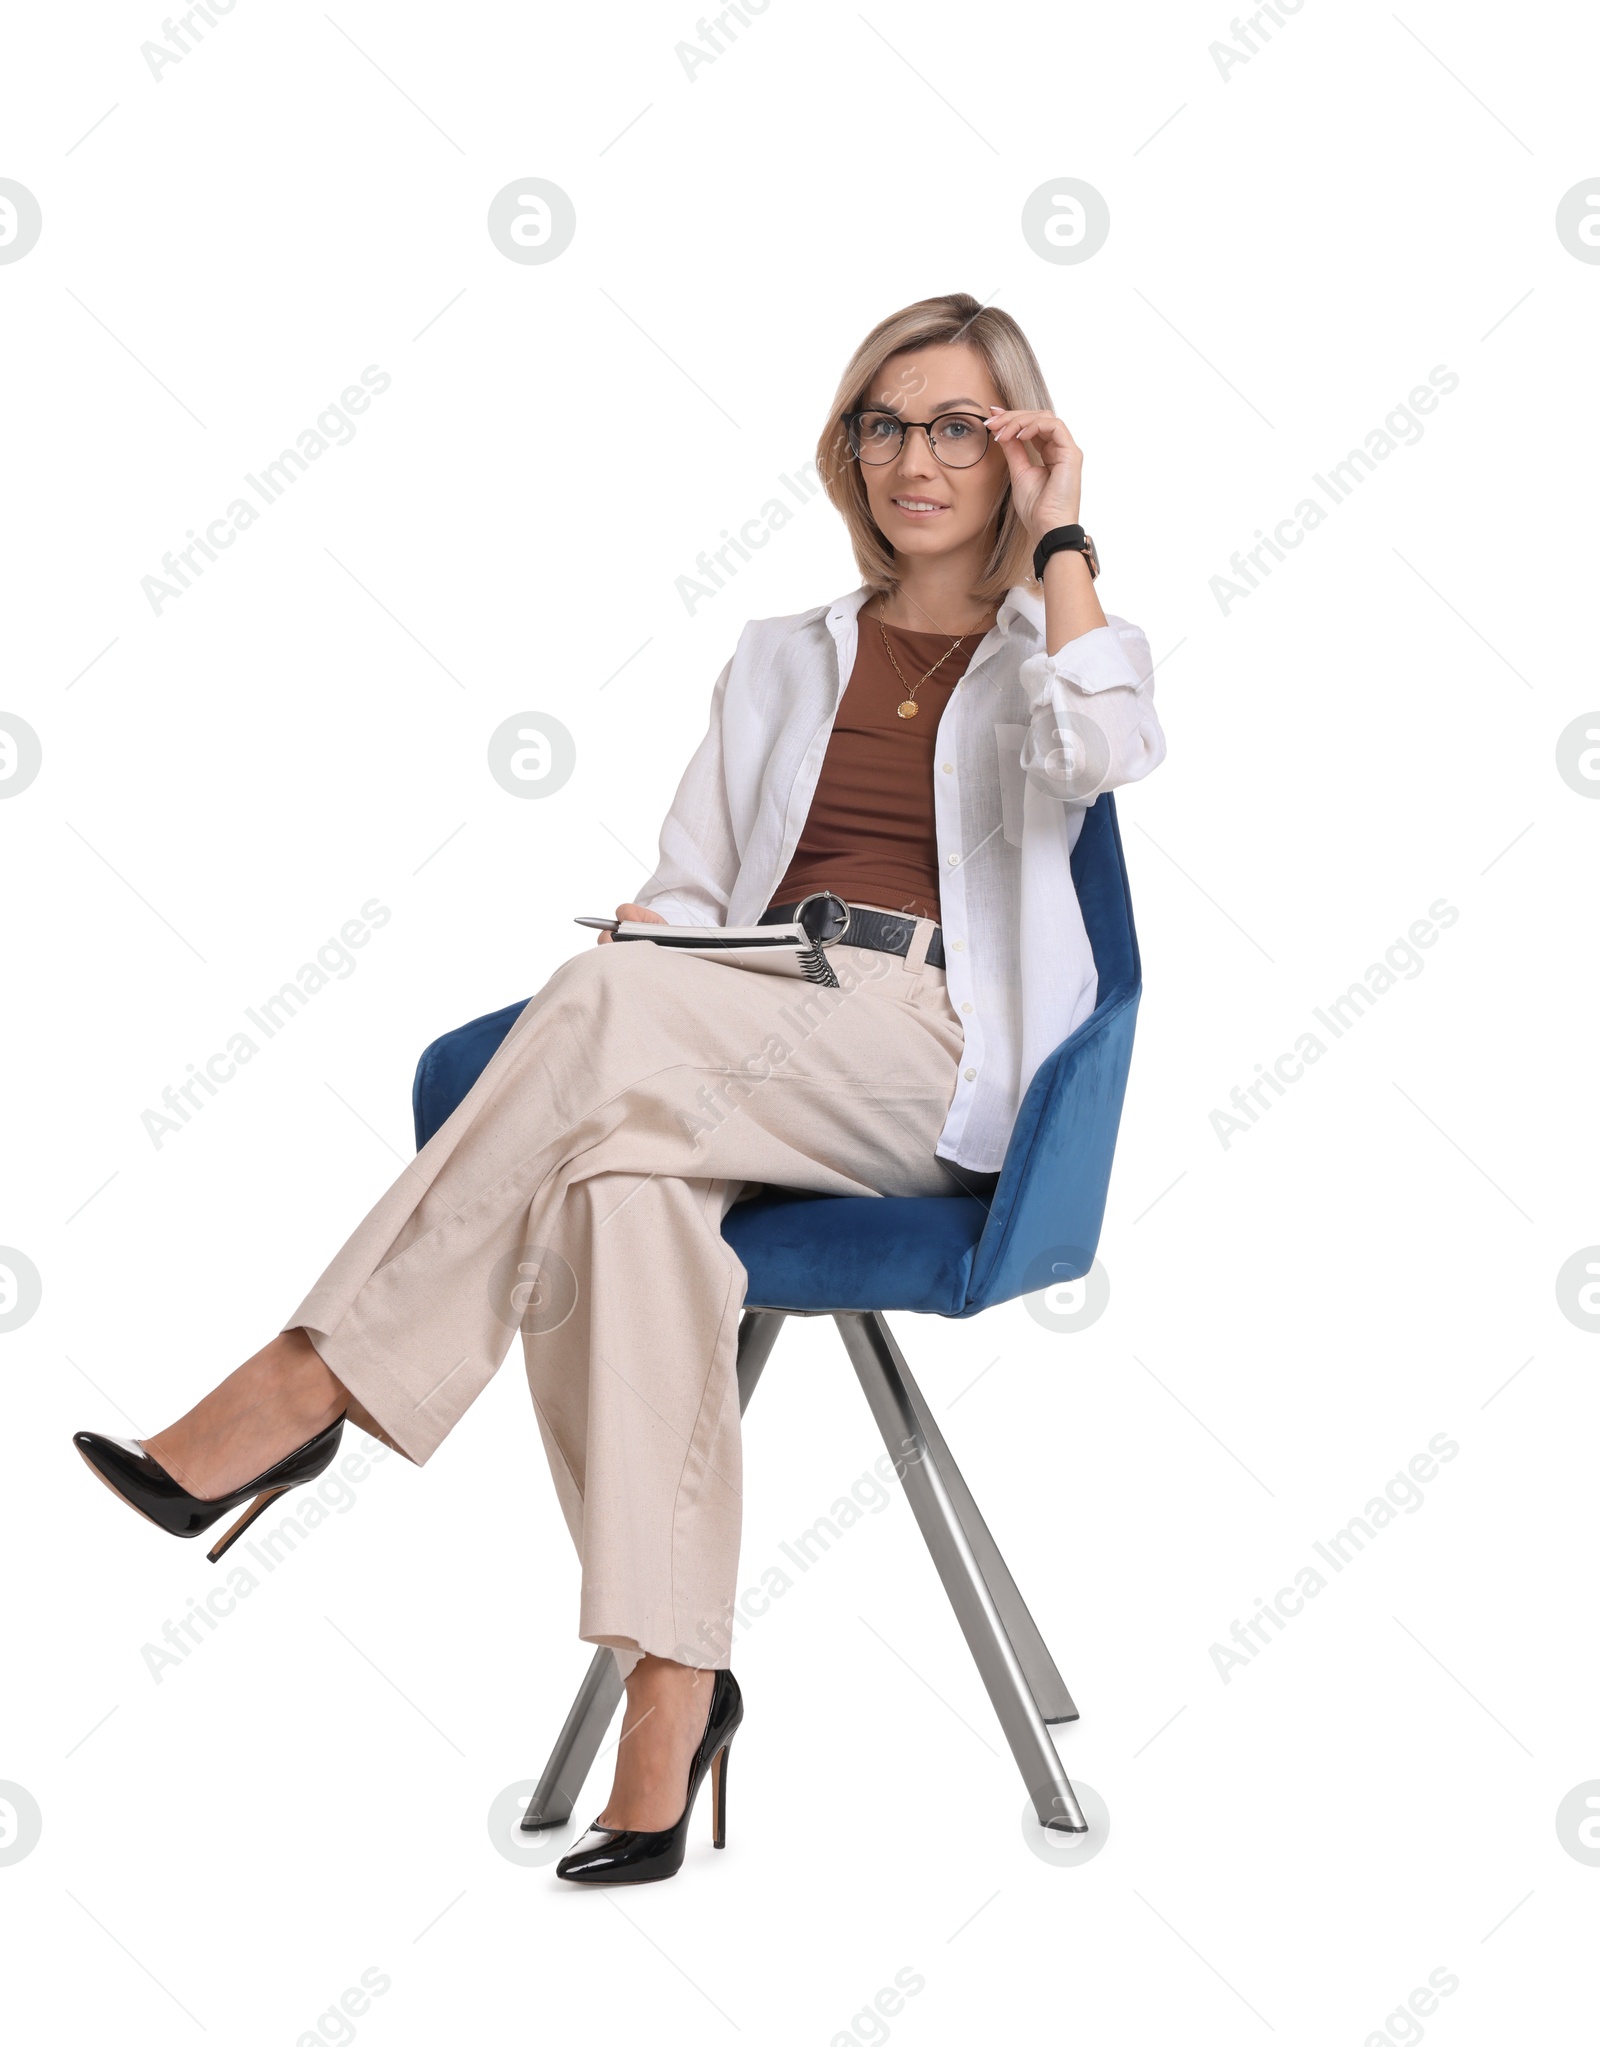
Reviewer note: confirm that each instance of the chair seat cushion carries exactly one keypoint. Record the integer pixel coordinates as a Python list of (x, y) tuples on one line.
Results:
[(833, 1252), (1040, 1217)]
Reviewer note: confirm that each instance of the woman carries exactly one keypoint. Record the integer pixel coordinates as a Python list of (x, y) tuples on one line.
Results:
[(918, 754)]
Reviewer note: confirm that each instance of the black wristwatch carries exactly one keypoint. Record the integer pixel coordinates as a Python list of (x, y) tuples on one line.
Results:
[(1065, 536)]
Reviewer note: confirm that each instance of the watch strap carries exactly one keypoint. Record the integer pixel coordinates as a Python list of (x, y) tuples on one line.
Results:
[(1060, 537)]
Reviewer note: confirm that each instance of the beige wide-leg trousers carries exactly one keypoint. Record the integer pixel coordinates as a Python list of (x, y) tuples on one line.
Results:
[(578, 1193)]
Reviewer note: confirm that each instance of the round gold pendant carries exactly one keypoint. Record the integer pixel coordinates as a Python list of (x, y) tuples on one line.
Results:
[(907, 709)]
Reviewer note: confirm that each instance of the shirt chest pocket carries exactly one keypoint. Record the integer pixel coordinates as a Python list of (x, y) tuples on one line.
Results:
[(1008, 747)]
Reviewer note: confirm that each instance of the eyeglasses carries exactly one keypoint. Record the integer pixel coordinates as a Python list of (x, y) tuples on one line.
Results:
[(958, 439)]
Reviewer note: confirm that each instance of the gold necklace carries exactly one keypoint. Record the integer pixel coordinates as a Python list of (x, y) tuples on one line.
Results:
[(909, 708)]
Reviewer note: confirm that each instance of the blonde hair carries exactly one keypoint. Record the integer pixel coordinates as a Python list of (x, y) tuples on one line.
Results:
[(956, 316)]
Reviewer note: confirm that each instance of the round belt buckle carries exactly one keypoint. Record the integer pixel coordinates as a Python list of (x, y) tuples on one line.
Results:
[(831, 924)]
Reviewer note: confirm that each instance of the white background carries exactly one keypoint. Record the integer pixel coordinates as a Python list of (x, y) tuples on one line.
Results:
[(1292, 1317)]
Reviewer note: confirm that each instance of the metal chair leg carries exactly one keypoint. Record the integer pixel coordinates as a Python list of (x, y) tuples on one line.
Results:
[(1045, 1681), (579, 1741), (576, 1747), (902, 1417)]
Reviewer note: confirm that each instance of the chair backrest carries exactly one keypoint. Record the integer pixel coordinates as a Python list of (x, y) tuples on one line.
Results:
[(1047, 1207)]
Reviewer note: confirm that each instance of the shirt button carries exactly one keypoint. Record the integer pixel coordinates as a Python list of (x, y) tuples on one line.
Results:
[(949, 767), (971, 1073), (954, 860), (958, 945), (966, 1009)]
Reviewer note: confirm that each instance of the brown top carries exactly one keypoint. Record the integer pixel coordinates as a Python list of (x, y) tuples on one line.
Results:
[(869, 835)]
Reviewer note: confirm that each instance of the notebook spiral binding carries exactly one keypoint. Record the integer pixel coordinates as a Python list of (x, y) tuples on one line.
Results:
[(815, 966)]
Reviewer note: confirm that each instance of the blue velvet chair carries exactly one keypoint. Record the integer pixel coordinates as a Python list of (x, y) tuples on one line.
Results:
[(1033, 1225)]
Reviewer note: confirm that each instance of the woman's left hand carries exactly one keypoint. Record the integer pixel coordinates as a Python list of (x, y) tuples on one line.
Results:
[(1047, 497)]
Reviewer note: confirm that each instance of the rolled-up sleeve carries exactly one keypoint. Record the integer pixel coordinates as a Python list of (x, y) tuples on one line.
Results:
[(1092, 714), (698, 859)]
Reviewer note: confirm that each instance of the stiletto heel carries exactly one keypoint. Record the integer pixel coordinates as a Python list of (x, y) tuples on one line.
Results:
[(622, 1855), (244, 1522), (130, 1471), (719, 1799)]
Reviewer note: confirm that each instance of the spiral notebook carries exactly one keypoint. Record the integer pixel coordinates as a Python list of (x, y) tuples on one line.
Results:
[(770, 948)]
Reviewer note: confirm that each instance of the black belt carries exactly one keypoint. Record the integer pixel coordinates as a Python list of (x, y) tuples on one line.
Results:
[(879, 930)]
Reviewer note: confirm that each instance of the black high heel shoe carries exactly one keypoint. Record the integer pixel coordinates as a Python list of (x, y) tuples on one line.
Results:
[(620, 1855), (157, 1495)]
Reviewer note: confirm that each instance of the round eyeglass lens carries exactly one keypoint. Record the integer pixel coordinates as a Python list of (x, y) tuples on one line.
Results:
[(959, 439)]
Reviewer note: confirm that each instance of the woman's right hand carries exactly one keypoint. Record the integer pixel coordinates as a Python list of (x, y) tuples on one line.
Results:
[(632, 913)]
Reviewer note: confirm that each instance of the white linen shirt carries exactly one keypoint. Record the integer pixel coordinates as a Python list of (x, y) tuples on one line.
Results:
[(1026, 741)]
